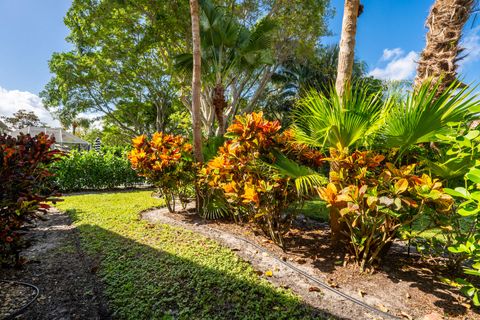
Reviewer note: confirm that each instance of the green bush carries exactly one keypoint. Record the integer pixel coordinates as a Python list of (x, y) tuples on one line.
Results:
[(91, 170)]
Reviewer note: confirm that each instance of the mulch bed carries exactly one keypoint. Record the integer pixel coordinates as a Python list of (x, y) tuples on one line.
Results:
[(55, 264), (14, 297)]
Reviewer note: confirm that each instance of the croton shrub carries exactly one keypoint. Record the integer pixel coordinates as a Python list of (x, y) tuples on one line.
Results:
[(166, 161), (25, 186), (374, 199), (243, 174)]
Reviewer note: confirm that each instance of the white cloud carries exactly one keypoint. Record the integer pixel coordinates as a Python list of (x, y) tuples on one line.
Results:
[(400, 66), (389, 54), (13, 100), (471, 44)]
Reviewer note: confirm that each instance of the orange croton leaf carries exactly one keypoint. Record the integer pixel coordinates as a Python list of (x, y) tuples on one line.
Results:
[(139, 141), (250, 195)]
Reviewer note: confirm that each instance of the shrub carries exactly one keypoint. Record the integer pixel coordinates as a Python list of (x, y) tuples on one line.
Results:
[(91, 170), (374, 200), (25, 186), (467, 244), (243, 174), (166, 161)]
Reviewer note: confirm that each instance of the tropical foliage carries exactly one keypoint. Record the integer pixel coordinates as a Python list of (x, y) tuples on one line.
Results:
[(244, 175), (467, 244), (373, 200), (25, 188), (166, 161)]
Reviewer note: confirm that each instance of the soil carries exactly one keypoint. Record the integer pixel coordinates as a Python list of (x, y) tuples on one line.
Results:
[(55, 264), (406, 286)]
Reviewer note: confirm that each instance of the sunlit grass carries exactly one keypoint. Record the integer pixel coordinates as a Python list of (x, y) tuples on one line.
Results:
[(163, 272)]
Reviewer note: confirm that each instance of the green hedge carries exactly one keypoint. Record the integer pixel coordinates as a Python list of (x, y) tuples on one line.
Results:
[(91, 170)]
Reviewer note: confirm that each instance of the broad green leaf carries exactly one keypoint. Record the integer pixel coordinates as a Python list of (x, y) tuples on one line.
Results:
[(457, 192)]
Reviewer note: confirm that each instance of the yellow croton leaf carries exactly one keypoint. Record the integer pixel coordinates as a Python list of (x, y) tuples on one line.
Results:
[(401, 186), (250, 194), (139, 141)]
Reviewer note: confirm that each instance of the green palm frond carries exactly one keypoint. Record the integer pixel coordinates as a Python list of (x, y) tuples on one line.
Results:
[(426, 113), (339, 122), (306, 179), (215, 207)]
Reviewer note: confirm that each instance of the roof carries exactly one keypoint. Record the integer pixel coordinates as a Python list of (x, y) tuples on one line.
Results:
[(61, 136)]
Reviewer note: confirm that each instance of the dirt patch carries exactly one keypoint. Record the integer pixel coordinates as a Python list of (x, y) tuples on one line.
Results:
[(55, 264), (406, 286)]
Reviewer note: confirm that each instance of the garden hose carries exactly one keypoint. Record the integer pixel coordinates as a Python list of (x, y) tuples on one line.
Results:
[(316, 280), (22, 309)]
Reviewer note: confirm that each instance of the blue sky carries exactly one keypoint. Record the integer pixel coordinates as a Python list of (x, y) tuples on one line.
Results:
[(390, 36)]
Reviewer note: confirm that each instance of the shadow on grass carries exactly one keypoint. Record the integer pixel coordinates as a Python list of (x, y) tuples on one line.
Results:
[(146, 282)]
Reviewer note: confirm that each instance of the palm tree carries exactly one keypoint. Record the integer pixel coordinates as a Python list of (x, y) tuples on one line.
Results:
[(196, 82), (442, 51), (228, 48), (347, 44)]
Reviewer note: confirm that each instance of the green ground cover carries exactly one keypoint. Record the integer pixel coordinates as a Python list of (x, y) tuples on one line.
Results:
[(163, 272)]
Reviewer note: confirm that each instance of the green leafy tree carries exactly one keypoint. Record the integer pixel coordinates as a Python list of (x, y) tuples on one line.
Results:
[(21, 119), (120, 64)]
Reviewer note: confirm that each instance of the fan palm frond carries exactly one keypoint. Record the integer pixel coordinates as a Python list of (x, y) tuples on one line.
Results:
[(426, 113), (338, 122)]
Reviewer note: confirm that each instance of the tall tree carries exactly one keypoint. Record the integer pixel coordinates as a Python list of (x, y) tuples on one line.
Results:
[(442, 50), (347, 45), (21, 119), (120, 64), (232, 56), (196, 81)]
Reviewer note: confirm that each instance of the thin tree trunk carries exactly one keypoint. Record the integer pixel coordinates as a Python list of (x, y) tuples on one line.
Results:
[(347, 45), (196, 82), (196, 91), (159, 118), (441, 54)]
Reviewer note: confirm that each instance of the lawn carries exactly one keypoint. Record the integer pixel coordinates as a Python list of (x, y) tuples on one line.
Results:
[(163, 272)]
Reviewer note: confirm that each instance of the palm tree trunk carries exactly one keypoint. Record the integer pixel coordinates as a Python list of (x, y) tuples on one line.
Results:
[(219, 105), (196, 91), (347, 45), (196, 82), (441, 54)]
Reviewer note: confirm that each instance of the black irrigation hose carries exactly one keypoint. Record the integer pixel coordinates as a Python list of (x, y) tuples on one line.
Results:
[(22, 309), (317, 281)]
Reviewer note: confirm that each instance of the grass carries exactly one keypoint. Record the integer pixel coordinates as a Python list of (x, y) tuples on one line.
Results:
[(163, 272), (315, 209)]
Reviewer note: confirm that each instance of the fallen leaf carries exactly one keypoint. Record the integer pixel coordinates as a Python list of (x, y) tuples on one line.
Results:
[(314, 289), (269, 273), (382, 308), (332, 283), (300, 261), (361, 293)]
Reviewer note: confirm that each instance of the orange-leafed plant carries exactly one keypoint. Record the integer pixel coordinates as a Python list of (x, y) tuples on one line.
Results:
[(166, 161), (242, 174), (375, 199)]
